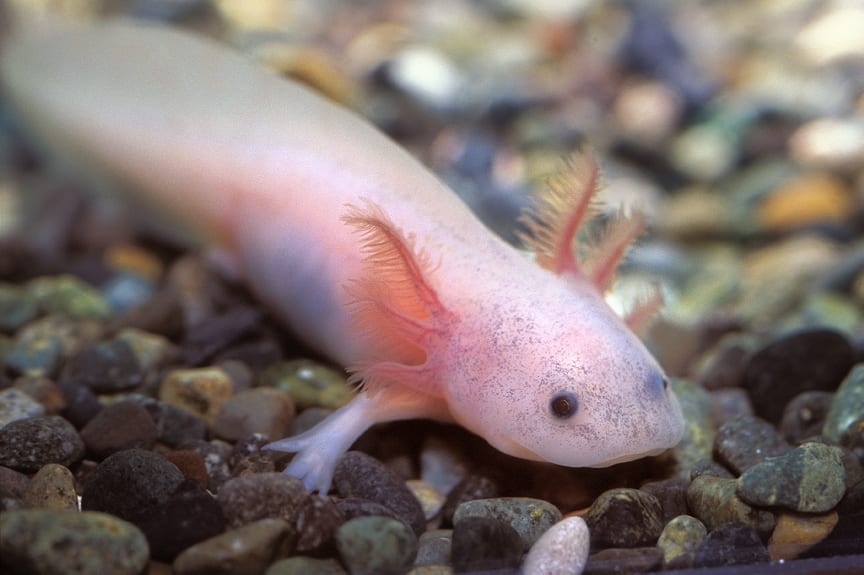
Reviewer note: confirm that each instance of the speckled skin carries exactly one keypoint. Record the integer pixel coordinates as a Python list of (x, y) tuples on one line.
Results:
[(352, 243)]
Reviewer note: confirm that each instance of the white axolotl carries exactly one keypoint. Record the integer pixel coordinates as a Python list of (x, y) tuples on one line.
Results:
[(360, 249)]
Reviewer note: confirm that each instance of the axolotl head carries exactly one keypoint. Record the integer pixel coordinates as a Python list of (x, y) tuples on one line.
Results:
[(580, 392)]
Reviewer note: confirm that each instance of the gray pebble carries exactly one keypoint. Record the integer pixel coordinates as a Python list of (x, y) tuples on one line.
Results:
[(358, 475), (482, 544), (713, 501), (46, 542), (317, 520), (731, 544), (562, 550), (13, 487), (809, 479), (261, 410), (672, 495), (264, 495), (17, 308), (28, 444), (530, 518), (53, 487), (377, 545), (434, 547), (805, 415), (35, 355), (844, 423), (15, 405), (247, 550), (745, 441), (624, 518), (621, 560), (106, 367)]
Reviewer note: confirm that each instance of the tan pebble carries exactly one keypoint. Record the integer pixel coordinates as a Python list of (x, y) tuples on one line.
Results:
[(809, 199), (563, 549), (431, 500), (263, 14), (201, 391), (135, 260), (796, 533), (53, 487)]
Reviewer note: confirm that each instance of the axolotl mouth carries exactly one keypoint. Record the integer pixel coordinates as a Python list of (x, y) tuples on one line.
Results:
[(513, 447)]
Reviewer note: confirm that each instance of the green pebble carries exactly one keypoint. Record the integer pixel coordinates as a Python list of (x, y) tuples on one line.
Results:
[(17, 308), (68, 296), (713, 501), (698, 440), (624, 518), (809, 479), (35, 356), (379, 545), (306, 566), (434, 547), (844, 423), (680, 539), (71, 542), (530, 518), (309, 384)]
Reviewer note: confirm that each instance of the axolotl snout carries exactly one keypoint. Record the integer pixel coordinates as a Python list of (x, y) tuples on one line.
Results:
[(360, 249)]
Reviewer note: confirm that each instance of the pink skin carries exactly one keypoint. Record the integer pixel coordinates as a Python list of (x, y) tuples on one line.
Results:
[(360, 249)]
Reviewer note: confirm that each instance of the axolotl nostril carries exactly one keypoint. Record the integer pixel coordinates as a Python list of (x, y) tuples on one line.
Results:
[(360, 249)]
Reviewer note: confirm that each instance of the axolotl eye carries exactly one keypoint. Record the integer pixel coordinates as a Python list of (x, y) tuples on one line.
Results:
[(563, 405)]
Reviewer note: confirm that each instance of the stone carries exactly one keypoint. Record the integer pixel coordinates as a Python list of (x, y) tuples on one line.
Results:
[(36, 355), (105, 367), (317, 521), (844, 423), (431, 500), (174, 425), (714, 502), (809, 478), (18, 307), (561, 550), (484, 544), (805, 200), (53, 488), (671, 494), (13, 488), (150, 349), (359, 475), (16, 405), (68, 296), (376, 545), (129, 484), (471, 488), (743, 442), (679, 540), (310, 384), (624, 518), (69, 542), (813, 359), (206, 338), (119, 426), (731, 544), (260, 496), (805, 415), (306, 566), (44, 391), (201, 391), (28, 444), (188, 516), (190, 463), (243, 551), (82, 405), (797, 532), (351, 507), (698, 428), (613, 561), (528, 517), (260, 410), (434, 547)]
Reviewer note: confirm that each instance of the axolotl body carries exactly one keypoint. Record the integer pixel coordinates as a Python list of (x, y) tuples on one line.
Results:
[(360, 249)]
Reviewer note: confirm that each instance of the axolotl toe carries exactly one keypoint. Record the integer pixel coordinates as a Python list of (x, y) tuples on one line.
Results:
[(360, 249)]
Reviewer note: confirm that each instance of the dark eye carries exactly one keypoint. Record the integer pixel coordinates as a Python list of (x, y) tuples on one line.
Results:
[(564, 405)]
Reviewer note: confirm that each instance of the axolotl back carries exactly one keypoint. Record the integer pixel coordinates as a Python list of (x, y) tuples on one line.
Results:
[(360, 249)]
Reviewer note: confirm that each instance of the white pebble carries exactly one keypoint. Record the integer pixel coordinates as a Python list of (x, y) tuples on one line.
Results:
[(562, 550)]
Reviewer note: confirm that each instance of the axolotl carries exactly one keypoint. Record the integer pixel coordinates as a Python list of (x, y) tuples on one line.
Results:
[(359, 249)]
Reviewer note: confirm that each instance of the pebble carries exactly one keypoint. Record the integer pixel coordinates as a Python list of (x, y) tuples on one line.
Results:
[(34, 354), (679, 541), (106, 367), (482, 544), (805, 360), (561, 550), (804, 416), (82, 405), (844, 423), (18, 307), (150, 349), (376, 545), (129, 484), (215, 455), (188, 516), (745, 441), (713, 501), (13, 487), (434, 548), (351, 507), (431, 500), (306, 566), (246, 550), (613, 561), (441, 465), (359, 475), (44, 391), (201, 390), (53, 488), (261, 410), (28, 444), (725, 366), (46, 542), (69, 296), (809, 478), (264, 495), (214, 334), (122, 425), (698, 437), (190, 463), (124, 292), (729, 403), (731, 544), (829, 143), (672, 495), (15, 405), (471, 488), (624, 518), (316, 522), (528, 517), (796, 533), (310, 384), (174, 425), (810, 199)]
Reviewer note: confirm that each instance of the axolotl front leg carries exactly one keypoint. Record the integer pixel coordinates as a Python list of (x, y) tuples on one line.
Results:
[(319, 449)]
